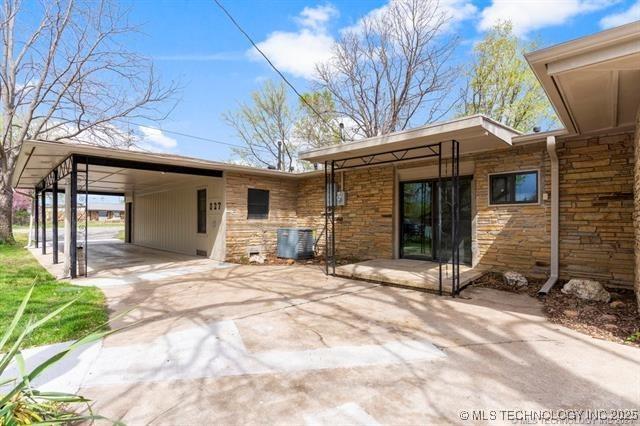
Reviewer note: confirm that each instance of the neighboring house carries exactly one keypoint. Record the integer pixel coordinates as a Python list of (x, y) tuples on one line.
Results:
[(555, 203), (106, 212), (98, 211)]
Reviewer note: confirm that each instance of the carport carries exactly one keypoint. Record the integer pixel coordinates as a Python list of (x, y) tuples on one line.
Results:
[(79, 170)]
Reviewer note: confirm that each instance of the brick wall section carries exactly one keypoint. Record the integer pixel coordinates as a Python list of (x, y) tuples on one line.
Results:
[(242, 232), (364, 226), (636, 216), (513, 237), (365, 230), (310, 207), (596, 208)]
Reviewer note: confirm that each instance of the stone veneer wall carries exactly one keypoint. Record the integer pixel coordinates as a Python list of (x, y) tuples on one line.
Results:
[(243, 233), (636, 216), (596, 208), (310, 207), (513, 237), (364, 226)]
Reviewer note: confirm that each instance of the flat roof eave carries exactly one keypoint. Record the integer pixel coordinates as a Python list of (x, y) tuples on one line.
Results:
[(475, 133), (55, 152), (590, 80)]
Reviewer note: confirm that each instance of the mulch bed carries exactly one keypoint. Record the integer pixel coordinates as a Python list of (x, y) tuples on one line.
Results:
[(617, 321)]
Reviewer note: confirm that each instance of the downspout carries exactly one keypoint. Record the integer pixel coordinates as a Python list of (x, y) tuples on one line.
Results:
[(555, 217)]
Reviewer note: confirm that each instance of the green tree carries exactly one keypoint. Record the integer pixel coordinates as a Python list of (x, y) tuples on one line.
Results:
[(315, 130), (500, 84), (265, 127)]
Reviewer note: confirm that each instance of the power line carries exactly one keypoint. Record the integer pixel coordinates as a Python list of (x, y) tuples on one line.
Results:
[(187, 135), (253, 43)]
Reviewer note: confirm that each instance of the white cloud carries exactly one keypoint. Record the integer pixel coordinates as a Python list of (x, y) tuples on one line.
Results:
[(621, 18), (297, 52), (529, 15), (316, 17), (456, 10), (155, 140)]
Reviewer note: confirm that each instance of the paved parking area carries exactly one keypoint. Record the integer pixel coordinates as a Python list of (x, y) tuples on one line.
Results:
[(209, 343), (287, 345)]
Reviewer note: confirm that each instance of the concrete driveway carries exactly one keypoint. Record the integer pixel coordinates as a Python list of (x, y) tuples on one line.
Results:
[(287, 345)]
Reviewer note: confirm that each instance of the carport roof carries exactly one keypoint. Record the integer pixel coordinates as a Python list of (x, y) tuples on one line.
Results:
[(38, 158), (475, 133)]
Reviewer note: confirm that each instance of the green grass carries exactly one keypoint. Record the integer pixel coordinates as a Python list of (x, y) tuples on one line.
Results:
[(18, 269), (120, 235)]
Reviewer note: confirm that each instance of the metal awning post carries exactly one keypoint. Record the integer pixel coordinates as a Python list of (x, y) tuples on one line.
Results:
[(36, 217), (43, 198), (54, 217), (73, 215), (333, 217), (455, 217), (326, 221), (86, 217), (439, 207)]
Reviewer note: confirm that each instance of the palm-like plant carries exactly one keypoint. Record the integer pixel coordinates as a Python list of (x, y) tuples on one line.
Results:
[(20, 402)]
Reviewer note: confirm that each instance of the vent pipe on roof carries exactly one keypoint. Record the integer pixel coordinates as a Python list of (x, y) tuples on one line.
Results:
[(555, 217)]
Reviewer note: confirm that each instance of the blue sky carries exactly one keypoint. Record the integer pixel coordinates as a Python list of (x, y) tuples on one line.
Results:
[(193, 43)]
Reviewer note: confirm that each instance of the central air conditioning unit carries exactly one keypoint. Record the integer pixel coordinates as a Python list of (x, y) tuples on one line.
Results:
[(295, 243)]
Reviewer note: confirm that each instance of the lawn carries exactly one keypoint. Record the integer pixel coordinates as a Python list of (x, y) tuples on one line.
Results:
[(18, 270)]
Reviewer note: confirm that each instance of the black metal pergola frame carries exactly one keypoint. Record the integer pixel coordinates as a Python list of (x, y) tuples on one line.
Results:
[(423, 152), (69, 167)]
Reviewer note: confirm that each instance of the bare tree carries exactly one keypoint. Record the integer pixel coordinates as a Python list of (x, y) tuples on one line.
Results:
[(390, 71), (265, 127), (65, 74)]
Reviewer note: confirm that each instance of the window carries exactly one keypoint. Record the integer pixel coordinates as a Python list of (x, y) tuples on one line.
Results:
[(514, 188), (258, 204), (202, 211)]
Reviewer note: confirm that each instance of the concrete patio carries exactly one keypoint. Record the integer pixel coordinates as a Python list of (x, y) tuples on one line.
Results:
[(420, 274), (289, 345), (112, 262)]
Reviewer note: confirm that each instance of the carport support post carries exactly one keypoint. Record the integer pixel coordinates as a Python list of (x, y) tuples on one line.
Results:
[(54, 217), (333, 217), (326, 221), (73, 213), (36, 217), (43, 195)]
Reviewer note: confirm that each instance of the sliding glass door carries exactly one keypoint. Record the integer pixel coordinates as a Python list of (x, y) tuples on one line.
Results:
[(416, 220), (419, 220)]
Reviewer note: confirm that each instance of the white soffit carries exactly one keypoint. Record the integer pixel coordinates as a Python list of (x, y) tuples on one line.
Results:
[(475, 133), (38, 158), (593, 82)]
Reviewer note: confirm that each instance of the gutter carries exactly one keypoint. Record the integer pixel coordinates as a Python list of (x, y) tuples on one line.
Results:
[(555, 217)]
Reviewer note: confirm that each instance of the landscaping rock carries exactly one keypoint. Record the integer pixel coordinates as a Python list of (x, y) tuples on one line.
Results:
[(617, 304), (610, 327), (256, 258), (515, 279), (608, 318), (570, 313), (587, 290), (291, 262)]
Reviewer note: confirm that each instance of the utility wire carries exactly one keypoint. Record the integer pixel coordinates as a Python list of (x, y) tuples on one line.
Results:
[(253, 43), (186, 135)]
